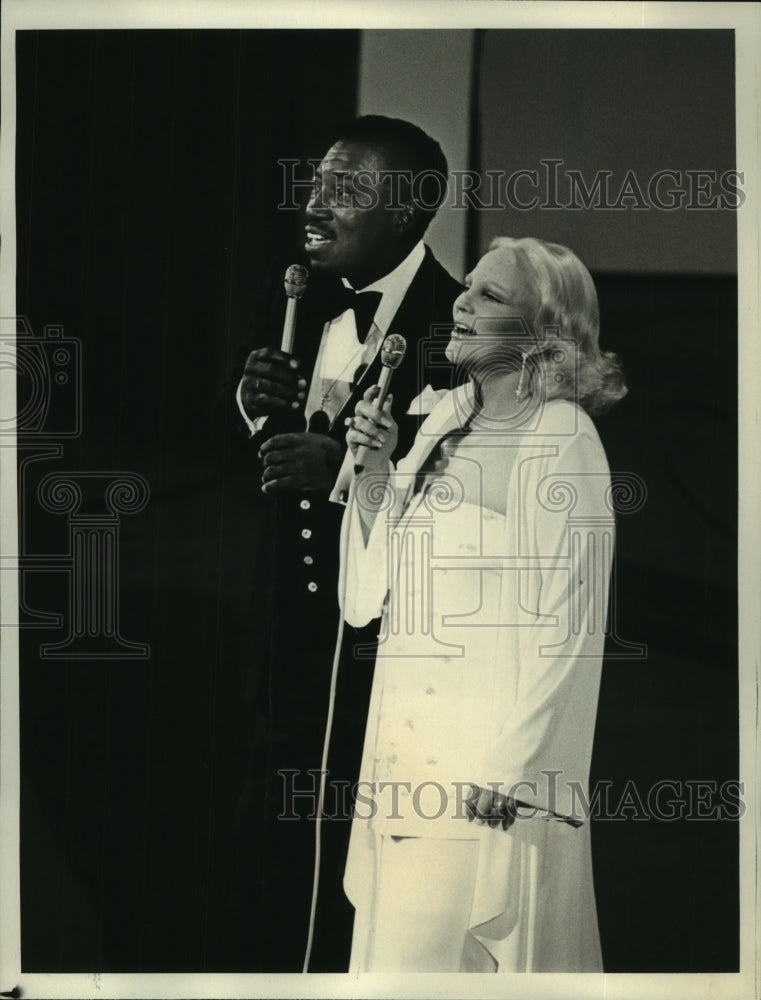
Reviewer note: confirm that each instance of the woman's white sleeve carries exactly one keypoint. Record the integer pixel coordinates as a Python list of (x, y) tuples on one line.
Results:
[(363, 577), (555, 597)]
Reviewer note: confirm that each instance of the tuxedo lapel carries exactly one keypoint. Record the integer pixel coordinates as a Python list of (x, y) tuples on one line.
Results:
[(411, 320), (315, 311)]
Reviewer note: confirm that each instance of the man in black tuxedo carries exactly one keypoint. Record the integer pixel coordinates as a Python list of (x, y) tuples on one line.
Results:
[(375, 192)]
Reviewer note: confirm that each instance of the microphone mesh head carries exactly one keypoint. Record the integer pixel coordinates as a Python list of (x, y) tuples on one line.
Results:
[(296, 278), (392, 350)]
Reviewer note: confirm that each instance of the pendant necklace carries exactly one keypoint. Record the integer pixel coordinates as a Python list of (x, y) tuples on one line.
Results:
[(319, 422), (327, 393)]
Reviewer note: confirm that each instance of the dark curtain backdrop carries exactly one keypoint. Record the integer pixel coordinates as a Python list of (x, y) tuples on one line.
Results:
[(668, 891), (147, 193)]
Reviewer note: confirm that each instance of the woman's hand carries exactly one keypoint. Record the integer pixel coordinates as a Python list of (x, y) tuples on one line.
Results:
[(374, 428), (486, 806)]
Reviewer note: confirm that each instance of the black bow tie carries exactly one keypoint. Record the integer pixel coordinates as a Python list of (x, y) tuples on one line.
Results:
[(364, 304)]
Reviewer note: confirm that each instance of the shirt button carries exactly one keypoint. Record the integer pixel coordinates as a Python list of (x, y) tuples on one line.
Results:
[(305, 505), (306, 533), (311, 587), (308, 560)]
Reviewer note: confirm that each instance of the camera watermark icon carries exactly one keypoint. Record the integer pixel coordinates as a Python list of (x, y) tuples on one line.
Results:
[(549, 361), (48, 382), (44, 376)]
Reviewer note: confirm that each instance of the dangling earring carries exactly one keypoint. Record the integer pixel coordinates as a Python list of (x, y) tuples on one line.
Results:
[(519, 387)]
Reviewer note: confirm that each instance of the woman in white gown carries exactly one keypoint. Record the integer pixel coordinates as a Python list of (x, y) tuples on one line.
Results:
[(487, 551)]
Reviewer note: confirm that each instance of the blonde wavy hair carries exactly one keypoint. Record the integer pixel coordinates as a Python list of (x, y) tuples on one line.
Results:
[(568, 311)]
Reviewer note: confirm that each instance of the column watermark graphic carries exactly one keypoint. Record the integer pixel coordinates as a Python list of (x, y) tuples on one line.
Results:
[(587, 504), (92, 562), (46, 373)]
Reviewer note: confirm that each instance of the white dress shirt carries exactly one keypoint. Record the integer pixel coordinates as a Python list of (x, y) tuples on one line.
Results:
[(341, 353)]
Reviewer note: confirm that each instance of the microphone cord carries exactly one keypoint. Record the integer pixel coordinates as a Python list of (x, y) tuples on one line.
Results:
[(328, 731)]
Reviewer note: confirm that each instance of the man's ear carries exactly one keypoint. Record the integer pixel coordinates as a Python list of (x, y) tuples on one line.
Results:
[(404, 218)]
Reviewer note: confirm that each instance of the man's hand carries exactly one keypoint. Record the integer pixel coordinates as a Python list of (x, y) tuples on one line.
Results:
[(486, 806), (300, 461), (271, 383)]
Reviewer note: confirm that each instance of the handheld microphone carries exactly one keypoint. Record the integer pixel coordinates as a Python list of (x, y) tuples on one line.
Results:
[(296, 278), (392, 354)]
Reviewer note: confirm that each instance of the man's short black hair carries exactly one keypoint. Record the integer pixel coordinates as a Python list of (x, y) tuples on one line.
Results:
[(407, 148)]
